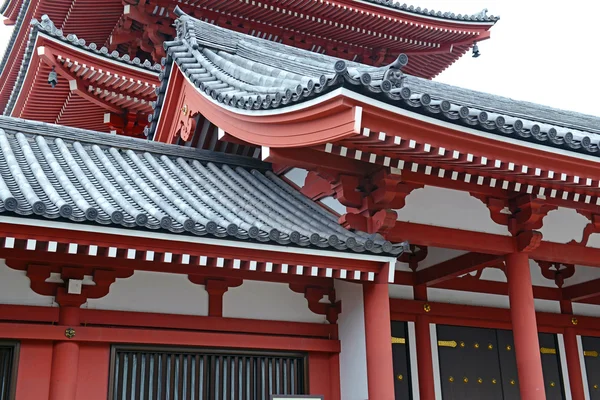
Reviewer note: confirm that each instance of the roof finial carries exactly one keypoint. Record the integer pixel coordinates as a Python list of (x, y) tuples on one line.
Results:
[(482, 14)]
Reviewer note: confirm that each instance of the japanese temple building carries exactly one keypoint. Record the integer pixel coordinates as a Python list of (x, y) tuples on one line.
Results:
[(243, 199)]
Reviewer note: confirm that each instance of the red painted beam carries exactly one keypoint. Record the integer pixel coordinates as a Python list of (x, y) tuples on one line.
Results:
[(582, 291), (315, 160), (427, 235), (93, 317), (467, 315), (472, 284), (88, 334), (455, 267)]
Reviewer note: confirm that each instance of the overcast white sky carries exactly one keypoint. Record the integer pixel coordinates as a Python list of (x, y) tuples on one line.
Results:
[(540, 51)]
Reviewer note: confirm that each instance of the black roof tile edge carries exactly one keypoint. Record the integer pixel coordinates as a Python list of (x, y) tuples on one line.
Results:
[(478, 17), (4, 6), (13, 37)]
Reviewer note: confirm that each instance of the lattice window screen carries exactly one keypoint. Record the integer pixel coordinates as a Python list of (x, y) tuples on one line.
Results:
[(7, 370), (186, 374)]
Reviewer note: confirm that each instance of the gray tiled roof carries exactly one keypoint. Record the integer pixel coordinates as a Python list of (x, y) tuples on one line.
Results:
[(52, 172), (479, 17), (246, 72), (46, 26)]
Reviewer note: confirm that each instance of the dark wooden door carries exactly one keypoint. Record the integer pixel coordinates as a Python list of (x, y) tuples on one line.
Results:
[(478, 363), (401, 357), (469, 366), (591, 352)]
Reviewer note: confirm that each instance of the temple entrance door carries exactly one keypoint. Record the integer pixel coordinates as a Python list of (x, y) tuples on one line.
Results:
[(469, 363), (478, 363), (401, 358), (591, 355)]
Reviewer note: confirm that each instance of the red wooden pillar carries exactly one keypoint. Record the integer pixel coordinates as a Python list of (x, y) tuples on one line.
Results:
[(572, 355), (424, 351), (380, 368), (65, 358), (525, 334)]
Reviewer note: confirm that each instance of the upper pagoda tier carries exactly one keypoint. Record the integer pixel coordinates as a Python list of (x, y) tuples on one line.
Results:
[(67, 81), (373, 32)]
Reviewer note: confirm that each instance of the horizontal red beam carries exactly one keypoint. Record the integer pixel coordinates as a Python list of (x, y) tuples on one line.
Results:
[(427, 235), (88, 334), (460, 314), (210, 324), (455, 267), (582, 291)]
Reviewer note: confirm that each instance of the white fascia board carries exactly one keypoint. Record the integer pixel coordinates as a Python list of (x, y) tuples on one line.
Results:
[(192, 239)]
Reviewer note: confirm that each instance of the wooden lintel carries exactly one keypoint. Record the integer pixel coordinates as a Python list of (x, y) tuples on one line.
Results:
[(457, 266)]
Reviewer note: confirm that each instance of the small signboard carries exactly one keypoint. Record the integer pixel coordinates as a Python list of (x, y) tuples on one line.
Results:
[(296, 397)]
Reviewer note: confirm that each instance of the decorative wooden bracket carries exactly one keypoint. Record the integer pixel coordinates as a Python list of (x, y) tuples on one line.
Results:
[(38, 274), (370, 200), (216, 288), (414, 257), (313, 295), (128, 124), (592, 227), (523, 216), (186, 125), (557, 272)]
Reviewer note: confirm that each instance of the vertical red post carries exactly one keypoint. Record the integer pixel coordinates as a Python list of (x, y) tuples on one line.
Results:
[(380, 367), (424, 351), (525, 334), (65, 359), (572, 355)]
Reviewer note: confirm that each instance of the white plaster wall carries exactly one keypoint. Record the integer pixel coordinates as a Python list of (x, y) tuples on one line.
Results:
[(154, 292), (468, 298), (351, 328), (449, 208), (401, 292), (537, 279), (583, 274), (549, 306), (589, 310), (15, 289), (436, 255), (297, 175), (485, 300), (269, 301), (334, 204), (493, 274), (563, 225), (594, 240)]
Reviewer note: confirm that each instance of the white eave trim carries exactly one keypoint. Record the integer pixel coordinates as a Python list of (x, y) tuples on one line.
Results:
[(398, 111), (193, 239)]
